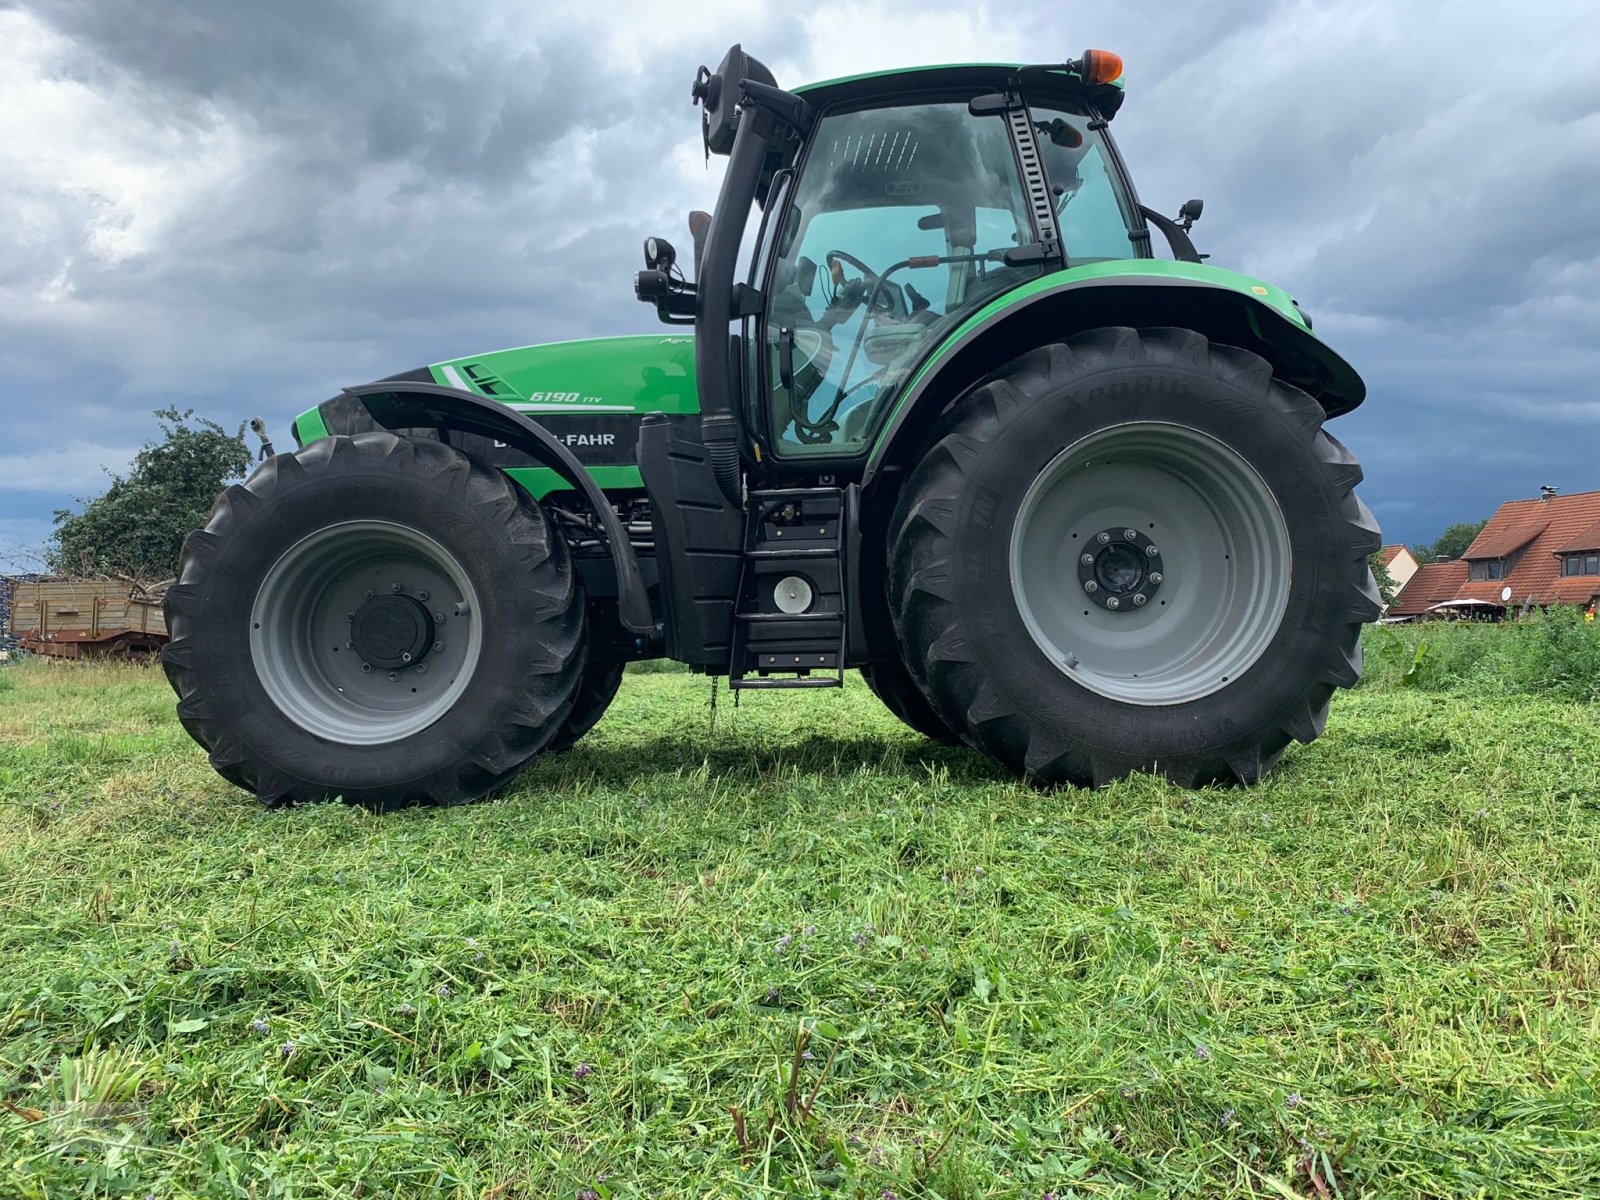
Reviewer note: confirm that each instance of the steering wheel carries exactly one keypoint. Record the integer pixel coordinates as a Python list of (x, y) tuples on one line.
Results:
[(854, 292)]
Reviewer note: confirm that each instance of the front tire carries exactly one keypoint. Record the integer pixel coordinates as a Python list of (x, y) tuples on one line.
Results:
[(1133, 551), (376, 618)]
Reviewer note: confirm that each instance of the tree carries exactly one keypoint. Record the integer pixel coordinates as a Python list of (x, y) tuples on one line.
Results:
[(1387, 588), (1452, 543), (138, 525)]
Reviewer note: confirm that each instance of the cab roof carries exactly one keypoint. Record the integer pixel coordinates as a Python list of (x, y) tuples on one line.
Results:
[(978, 77)]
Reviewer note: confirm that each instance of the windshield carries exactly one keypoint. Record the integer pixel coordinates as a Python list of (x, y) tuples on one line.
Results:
[(1094, 214), (896, 232)]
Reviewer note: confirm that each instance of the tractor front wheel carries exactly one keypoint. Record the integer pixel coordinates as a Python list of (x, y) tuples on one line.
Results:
[(1133, 551), (376, 618)]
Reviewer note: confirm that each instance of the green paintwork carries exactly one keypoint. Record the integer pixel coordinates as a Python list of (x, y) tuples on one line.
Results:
[(1111, 271), (308, 427), (644, 373)]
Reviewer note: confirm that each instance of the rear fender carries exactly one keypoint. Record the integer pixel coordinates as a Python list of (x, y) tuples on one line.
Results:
[(1042, 313), (416, 408)]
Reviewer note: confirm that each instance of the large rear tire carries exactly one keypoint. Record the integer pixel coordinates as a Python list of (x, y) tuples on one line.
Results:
[(1133, 551), (376, 618)]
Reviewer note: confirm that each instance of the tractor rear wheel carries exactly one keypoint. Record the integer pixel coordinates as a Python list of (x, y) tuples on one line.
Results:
[(892, 683), (376, 618), (1133, 551)]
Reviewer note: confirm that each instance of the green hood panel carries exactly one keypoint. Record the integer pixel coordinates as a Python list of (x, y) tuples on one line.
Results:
[(619, 375)]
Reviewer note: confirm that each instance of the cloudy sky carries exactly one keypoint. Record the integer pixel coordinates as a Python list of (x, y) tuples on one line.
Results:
[(237, 207)]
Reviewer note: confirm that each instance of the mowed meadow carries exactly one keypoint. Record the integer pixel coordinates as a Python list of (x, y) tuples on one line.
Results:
[(789, 947)]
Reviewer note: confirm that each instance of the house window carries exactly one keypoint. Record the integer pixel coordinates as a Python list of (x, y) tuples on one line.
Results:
[(1486, 568), (1581, 564)]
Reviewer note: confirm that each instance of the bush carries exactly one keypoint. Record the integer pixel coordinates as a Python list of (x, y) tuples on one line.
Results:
[(138, 525), (1558, 654)]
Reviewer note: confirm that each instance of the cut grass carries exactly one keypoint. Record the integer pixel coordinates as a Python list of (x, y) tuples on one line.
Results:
[(793, 948)]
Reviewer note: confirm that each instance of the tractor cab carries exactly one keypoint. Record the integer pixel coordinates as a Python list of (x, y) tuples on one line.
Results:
[(893, 207)]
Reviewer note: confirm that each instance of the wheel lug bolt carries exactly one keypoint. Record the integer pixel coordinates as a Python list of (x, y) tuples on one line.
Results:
[(1086, 559), (423, 596), (367, 595), (437, 646), (393, 677), (394, 587), (1091, 586), (405, 656), (1103, 538), (349, 616), (366, 668), (1151, 551), (1155, 576), (349, 645), (1140, 600), (1130, 534), (1113, 602), (422, 669), (439, 617)]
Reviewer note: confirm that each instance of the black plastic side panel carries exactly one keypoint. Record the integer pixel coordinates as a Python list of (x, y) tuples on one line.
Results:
[(698, 536)]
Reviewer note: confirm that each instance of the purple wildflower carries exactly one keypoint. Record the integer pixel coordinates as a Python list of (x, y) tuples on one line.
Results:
[(406, 1009), (442, 991), (807, 1055), (1292, 1100), (588, 1194), (888, 1195), (811, 931), (782, 944), (860, 940), (582, 1071), (1203, 1054), (287, 1049), (772, 995), (1227, 1119), (261, 1025)]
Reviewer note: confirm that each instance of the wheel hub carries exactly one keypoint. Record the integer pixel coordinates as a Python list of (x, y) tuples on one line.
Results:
[(392, 631), (1121, 570)]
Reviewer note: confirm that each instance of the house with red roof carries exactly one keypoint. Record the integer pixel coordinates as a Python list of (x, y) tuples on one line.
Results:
[(1545, 550), (1399, 562)]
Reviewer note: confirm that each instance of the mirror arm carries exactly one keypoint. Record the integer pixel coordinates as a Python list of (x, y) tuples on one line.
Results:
[(1182, 248)]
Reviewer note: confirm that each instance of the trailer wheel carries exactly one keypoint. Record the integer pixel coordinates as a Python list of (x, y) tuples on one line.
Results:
[(376, 618), (1133, 551)]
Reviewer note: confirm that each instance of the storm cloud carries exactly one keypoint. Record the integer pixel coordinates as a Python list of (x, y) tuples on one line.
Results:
[(240, 207)]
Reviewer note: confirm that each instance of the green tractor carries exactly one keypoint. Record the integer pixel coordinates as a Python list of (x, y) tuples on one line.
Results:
[(937, 412)]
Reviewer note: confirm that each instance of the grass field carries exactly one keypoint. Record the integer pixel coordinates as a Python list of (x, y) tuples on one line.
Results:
[(792, 948)]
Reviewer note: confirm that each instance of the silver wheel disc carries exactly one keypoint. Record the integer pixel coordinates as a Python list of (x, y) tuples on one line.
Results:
[(1199, 509), (365, 632)]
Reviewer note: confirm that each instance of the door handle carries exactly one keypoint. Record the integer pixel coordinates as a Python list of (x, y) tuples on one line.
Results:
[(786, 356)]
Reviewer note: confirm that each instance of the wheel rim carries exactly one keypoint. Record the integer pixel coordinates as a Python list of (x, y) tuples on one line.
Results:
[(1202, 515), (365, 632)]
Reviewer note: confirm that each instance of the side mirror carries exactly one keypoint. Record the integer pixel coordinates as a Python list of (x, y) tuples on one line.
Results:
[(699, 226), (1190, 212), (659, 254)]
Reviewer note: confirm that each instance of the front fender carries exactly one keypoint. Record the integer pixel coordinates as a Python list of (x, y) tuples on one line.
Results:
[(405, 405), (1224, 306)]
